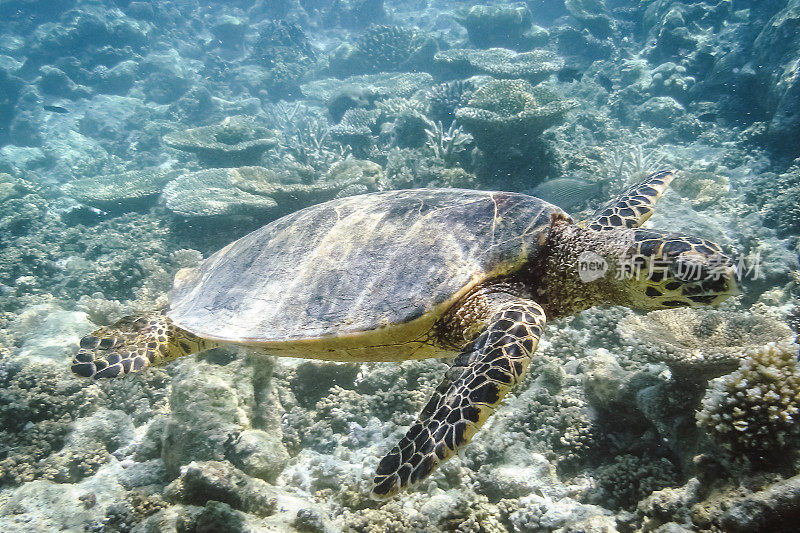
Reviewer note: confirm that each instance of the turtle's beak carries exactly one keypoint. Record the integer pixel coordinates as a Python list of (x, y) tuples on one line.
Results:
[(717, 282)]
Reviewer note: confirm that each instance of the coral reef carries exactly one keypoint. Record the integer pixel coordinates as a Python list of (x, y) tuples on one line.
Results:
[(209, 411), (535, 67), (38, 408), (104, 196), (700, 344), (761, 510), (507, 118), (445, 98), (236, 141), (122, 191), (286, 52), (503, 26), (629, 479), (780, 207), (752, 412), (780, 73), (201, 482), (353, 13), (384, 48)]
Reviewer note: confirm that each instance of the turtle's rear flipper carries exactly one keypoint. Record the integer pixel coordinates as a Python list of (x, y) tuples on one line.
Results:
[(132, 344), (470, 392)]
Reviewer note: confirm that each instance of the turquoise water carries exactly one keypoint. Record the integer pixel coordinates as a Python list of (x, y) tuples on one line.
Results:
[(138, 138)]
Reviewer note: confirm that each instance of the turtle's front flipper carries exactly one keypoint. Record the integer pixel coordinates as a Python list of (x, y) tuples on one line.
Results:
[(471, 391), (132, 344), (634, 205)]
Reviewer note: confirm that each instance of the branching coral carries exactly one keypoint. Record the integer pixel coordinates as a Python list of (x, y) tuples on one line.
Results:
[(754, 411), (445, 98), (356, 128), (699, 344), (630, 164), (447, 144), (307, 139)]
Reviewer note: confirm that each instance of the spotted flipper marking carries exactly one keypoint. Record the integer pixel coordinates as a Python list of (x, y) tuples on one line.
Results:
[(133, 344), (634, 206), (469, 394)]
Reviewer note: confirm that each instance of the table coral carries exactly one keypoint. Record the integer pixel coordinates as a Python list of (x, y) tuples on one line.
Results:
[(511, 108), (236, 141), (382, 85), (120, 191), (535, 66), (699, 344), (212, 192), (507, 118)]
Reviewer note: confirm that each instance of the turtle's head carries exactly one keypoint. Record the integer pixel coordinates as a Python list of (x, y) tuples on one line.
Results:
[(661, 271)]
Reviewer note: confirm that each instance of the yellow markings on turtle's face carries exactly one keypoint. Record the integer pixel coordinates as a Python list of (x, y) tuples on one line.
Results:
[(668, 272)]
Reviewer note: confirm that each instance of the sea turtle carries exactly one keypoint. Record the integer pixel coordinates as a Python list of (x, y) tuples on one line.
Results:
[(420, 273)]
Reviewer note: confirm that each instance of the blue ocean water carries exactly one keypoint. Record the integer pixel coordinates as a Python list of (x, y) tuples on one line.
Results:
[(638, 379)]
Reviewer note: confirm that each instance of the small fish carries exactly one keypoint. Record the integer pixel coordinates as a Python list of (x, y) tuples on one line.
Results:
[(567, 193), (55, 109)]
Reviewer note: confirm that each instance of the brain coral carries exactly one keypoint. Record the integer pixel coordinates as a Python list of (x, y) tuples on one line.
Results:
[(699, 344), (753, 412)]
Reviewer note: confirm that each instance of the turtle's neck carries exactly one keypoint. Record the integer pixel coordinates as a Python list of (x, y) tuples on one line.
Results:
[(564, 290)]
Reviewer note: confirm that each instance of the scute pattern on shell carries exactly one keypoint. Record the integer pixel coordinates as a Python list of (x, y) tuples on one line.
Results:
[(358, 264)]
